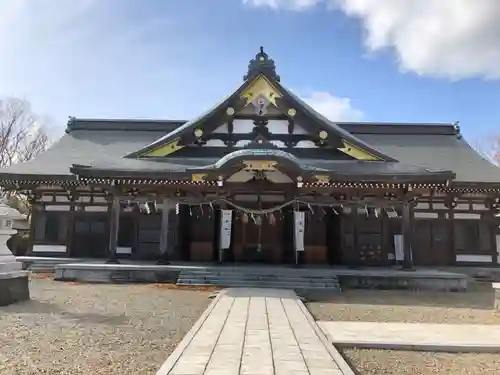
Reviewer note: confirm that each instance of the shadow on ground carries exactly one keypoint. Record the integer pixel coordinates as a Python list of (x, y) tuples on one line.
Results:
[(37, 307)]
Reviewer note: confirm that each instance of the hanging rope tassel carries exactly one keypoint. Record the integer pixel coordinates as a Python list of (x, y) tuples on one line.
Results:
[(272, 219), (258, 221)]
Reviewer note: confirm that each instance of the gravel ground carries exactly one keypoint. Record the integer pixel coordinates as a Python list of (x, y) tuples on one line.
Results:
[(95, 329), (388, 362), (472, 307)]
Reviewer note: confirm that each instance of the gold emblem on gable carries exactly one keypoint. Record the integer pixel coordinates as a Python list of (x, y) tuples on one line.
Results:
[(261, 87), (323, 179), (198, 177), (165, 150), (260, 165), (357, 153)]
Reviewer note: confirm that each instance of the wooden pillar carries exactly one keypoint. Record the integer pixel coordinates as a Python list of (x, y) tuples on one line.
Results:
[(35, 213), (113, 229), (492, 220), (71, 228), (164, 256), (407, 231)]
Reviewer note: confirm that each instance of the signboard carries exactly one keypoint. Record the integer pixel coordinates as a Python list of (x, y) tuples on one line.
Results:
[(225, 229), (299, 226)]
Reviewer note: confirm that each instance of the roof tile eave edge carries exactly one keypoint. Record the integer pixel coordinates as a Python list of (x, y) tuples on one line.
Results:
[(32, 177), (493, 184)]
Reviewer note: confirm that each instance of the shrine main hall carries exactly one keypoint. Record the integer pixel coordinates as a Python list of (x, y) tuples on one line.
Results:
[(262, 177)]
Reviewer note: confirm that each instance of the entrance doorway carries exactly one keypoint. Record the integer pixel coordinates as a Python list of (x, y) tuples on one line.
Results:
[(90, 237), (334, 238), (260, 239)]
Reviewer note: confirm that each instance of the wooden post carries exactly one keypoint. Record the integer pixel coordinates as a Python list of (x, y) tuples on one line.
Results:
[(164, 256), (407, 224), (113, 229)]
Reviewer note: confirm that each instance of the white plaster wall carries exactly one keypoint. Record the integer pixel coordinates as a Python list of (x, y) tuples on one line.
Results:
[(426, 215), (422, 206), (246, 126), (123, 250), (96, 208), (474, 258), (459, 215), (57, 208), (49, 248)]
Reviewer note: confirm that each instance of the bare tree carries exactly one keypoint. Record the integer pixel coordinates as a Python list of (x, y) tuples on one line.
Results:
[(23, 135), (489, 147)]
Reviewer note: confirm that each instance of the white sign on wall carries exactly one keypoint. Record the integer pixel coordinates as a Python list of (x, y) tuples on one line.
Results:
[(399, 250), (225, 229), (299, 226)]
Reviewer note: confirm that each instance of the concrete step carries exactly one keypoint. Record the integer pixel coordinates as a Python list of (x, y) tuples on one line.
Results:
[(257, 278), (294, 273), (251, 278), (261, 275), (244, 282), (266, 285)]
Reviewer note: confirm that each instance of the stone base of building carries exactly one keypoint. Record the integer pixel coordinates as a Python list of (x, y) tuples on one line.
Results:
[(115, 273), (227, 276), (14, 287), (417, 280)]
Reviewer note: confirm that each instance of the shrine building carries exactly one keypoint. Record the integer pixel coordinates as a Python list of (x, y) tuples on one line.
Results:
[(262, 177)]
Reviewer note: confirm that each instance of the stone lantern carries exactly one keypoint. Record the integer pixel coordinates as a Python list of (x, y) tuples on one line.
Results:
[(13, 279)]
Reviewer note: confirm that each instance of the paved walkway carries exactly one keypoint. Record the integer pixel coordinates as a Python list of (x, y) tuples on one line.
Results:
[(255, 332), (415, 336)]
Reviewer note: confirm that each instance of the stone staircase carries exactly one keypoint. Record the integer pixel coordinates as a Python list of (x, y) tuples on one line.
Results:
[(247, 277)]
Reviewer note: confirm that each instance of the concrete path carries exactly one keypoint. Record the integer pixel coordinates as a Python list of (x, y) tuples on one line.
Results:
[(255, 332), (417, 336)]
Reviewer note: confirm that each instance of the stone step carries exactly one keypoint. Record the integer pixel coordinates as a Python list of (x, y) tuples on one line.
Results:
[(265, 285), (268, 275), (257, 278), (277, 273), (243, 282), (286, 279)]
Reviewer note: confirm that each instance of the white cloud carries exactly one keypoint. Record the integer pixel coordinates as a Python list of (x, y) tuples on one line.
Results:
[(332, 107), (447, 38)]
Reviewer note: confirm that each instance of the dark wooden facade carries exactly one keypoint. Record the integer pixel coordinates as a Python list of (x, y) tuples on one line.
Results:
[(348, 236)]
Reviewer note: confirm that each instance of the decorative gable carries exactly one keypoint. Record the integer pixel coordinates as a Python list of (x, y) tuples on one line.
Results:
[(262, 107)]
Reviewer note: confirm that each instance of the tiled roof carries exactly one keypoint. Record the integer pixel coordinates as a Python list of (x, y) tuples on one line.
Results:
[(416, 147)]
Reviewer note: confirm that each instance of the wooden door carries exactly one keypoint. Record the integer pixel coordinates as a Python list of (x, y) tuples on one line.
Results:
[(369, 241), (261, 242), (430, 243), (90, 236)]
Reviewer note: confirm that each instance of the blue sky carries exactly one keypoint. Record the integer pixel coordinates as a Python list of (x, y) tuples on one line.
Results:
[(411, 60)]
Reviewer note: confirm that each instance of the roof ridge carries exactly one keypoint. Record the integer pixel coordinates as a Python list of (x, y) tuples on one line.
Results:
[(145, 120)]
